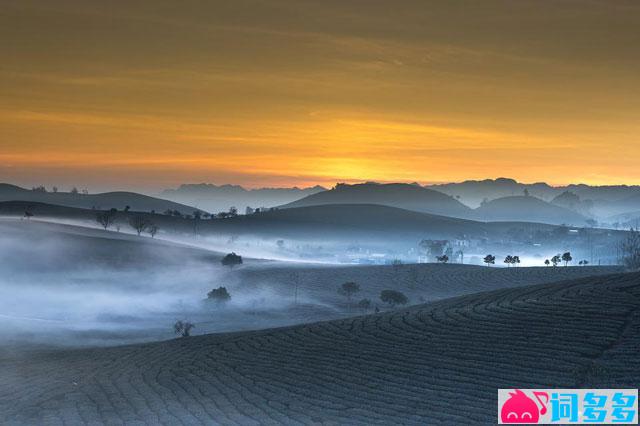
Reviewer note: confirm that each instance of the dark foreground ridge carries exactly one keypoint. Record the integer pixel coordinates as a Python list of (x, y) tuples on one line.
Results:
[(438, 363)]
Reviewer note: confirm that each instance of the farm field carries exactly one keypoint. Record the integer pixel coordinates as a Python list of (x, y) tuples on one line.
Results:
[(435, 363), (75, 286), (421, 283)]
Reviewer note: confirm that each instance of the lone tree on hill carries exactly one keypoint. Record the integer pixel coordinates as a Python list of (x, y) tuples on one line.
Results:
[(393, 298), (489, 259), (566, 258), (231, 260), (106, 219), (138, 223), (630, 249), (547, 262), (183, 328), (348, 289), (219, 295)]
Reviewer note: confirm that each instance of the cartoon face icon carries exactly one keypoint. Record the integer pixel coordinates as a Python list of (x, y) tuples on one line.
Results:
[(519, 408)]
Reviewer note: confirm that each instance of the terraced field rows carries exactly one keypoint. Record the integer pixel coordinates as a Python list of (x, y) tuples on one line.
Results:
[(438, 363), (420, 282)]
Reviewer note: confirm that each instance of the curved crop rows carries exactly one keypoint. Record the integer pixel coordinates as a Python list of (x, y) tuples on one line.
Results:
[(420, 282), (438, 363)]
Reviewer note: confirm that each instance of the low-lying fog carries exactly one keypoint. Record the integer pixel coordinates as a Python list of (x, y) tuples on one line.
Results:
[(71, 285), (69, 289)]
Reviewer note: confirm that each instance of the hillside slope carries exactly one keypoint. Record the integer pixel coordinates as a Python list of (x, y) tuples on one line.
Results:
[(105, 201), (527, 209), (216, 198), (439, 363), (41, 246), (399, 195)]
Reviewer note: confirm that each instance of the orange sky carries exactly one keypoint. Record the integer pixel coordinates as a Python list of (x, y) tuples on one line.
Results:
[(151, 94)]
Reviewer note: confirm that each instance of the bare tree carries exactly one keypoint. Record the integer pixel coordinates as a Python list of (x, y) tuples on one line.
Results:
[(630, 249), (106, 219), (138, 223), (152, 229)]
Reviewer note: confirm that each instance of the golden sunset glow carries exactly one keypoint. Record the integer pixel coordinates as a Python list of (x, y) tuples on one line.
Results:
[(290, 92)]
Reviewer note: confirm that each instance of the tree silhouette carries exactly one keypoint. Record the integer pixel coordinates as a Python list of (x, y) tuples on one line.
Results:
[(183, 328), (508, 260), (556, 259), (348, 289), (107, 218), (152, 229), (546, 262), (231, 260), (566, 258), (442, 259), (364, 304), (393, 298), (219, 295), (489, 259), (138, 223), (630, 249)]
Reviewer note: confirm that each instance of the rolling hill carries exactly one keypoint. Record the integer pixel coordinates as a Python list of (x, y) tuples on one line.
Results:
[(437, 363), (399, 195), (474, 192), (527, 209), (105, 201), (216, 198), (42, 246), (320, 221)]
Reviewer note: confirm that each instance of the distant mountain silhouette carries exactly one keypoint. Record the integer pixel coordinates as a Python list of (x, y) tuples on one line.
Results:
[(104, 201), (401, 195), (220, 198), (600, 201), (527, 209), (571, 201)]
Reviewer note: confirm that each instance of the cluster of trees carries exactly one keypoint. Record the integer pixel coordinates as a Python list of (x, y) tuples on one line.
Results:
[(565, 257), (138, 222), (512, 260), (391, 298), (141, 224), (54, 189)]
